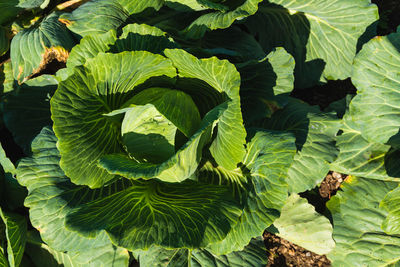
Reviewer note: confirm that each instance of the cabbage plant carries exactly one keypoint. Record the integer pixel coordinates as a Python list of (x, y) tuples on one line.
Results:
[(169, 134)]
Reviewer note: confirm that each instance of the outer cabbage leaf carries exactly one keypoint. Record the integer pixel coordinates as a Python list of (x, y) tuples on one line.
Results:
[(134, 37), (228, 147), (391, 204), (32, 48), (359, 157), (264, 190), (322, 35), (135, 214), (375, 109), (49, 193), (15, 226), (143, 37), (33, 3), (315, 139), (27, 109), (301, 224), (104, 84), (137, 6), (253, 254), (96, 16), (221, 18), (357, 219)]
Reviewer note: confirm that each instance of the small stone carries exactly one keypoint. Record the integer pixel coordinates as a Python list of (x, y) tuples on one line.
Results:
[(336, 175), (308, 254)]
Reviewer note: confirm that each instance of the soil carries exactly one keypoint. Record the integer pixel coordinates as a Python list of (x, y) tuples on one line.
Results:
[(331, 184), (284, 253)]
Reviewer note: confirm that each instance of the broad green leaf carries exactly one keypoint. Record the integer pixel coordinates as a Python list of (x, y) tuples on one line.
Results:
[(32, 3), (361, 158), (253, 254), (16, 236), (357, 221), (301, 224), (52, 196), (27, 109), (134, 37), (44, 256), (142, 37), (9, 10), (265, 190), (84, 134), (4, 41), (137, 6), (315, 139), (375, 109), (90, 46), (180, 166), (283, 65), (32, 48), (154, 213), (96, 16), (220, 19), (322, 36), (135, 215), (391, 204), (228, 146)]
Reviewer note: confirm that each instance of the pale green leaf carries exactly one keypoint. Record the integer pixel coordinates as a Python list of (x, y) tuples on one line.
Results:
[(283, 65), (391, 204), (322, 36), (359, 157), (301, 224), (30, 3), (375, 109), (357, 221)]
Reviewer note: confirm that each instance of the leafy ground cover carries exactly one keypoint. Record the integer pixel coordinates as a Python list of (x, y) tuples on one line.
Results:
[(183, 132)]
